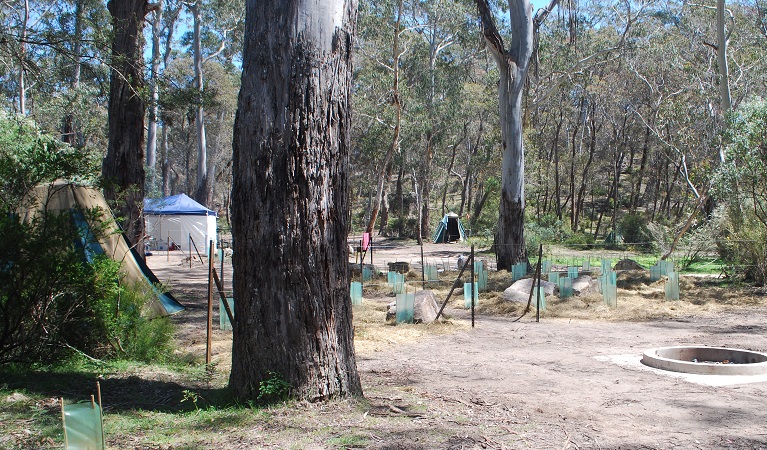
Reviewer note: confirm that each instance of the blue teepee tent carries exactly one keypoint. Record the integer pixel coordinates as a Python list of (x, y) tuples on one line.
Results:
[(449, 229)]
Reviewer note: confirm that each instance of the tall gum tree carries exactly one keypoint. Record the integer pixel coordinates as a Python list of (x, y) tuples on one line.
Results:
[(513, 65), (123, 166), (290, 200)]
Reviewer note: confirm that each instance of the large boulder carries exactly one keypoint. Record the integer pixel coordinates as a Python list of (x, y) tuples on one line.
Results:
[(584, 284), (519, 292), (425, 308)]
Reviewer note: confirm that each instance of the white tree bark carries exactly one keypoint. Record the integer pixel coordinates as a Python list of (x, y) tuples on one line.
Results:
[(201, 188)]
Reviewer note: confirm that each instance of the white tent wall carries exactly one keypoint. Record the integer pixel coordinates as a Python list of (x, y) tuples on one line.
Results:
[(179, 228)]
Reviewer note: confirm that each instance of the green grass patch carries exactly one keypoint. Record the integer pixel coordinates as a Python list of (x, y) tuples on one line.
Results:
[(348, 441)]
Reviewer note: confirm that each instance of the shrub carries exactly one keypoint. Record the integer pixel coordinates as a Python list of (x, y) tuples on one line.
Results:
[(633, 229), (52, 301)]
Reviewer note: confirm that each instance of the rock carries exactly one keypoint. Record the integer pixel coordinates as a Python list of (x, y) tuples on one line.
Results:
[(519, 292), (425, 308), (515, 296), (627, 264), (584, 284)]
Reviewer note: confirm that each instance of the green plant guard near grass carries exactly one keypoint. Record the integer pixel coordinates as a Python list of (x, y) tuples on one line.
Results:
[(565, 287), (606, 265), (654, 273), (399, 285), (467, 294), (540, 300), (482, 280), (223, 318), (518, 271), (672, 286), (405, 304), (430, 273), (356, 292), (83, 427)]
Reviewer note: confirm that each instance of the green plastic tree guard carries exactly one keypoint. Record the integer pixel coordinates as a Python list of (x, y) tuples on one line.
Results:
[(405, 305), (223, 318), (83, 429), (672, 286), (356, 292)]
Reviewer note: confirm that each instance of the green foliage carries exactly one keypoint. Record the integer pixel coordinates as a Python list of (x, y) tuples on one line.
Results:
[(579, 241), (740, 181), (542, 232), (118, 314), (28, 157), (273, 389), (52, 301), (633, 228), (743, 244)]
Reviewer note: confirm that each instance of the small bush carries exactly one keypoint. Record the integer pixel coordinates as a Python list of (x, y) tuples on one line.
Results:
[(119, 315), (633, 229), (273, 389)]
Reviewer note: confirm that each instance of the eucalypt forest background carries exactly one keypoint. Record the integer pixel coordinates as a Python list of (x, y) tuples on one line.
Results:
[(642, 123), (631, 122), (637, 125)]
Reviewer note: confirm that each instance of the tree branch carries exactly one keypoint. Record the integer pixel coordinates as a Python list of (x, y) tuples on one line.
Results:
[(490, 31)]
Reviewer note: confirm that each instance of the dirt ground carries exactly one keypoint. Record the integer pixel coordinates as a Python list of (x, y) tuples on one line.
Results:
[(566, 383)]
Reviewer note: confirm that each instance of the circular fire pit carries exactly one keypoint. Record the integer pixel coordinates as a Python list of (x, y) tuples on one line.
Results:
[(706, 360)]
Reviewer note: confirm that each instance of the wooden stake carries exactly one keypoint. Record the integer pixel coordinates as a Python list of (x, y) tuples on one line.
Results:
[(64, 421), (210, 306)]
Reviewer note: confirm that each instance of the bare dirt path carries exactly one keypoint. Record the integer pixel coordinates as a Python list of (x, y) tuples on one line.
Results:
[(561, 376), (560, 383)]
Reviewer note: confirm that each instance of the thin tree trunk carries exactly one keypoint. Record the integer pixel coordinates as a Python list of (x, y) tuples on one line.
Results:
[(201, 187), (557, 178), (290, 198), (721, 62), (400, 198), (453, 154), (69, 132), (585, 174), (22, 62), (637, 194), (383, 229), (154, 89), (394, 147)]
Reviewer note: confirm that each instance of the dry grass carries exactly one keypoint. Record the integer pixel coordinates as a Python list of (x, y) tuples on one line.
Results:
[(372, 333), (638, 299)]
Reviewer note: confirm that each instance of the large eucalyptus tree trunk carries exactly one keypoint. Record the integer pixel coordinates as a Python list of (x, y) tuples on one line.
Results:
[(513, 65), (290, 200), (123, 166)]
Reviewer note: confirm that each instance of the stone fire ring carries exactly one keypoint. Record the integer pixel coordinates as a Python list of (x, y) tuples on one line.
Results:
[(710, 360)]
